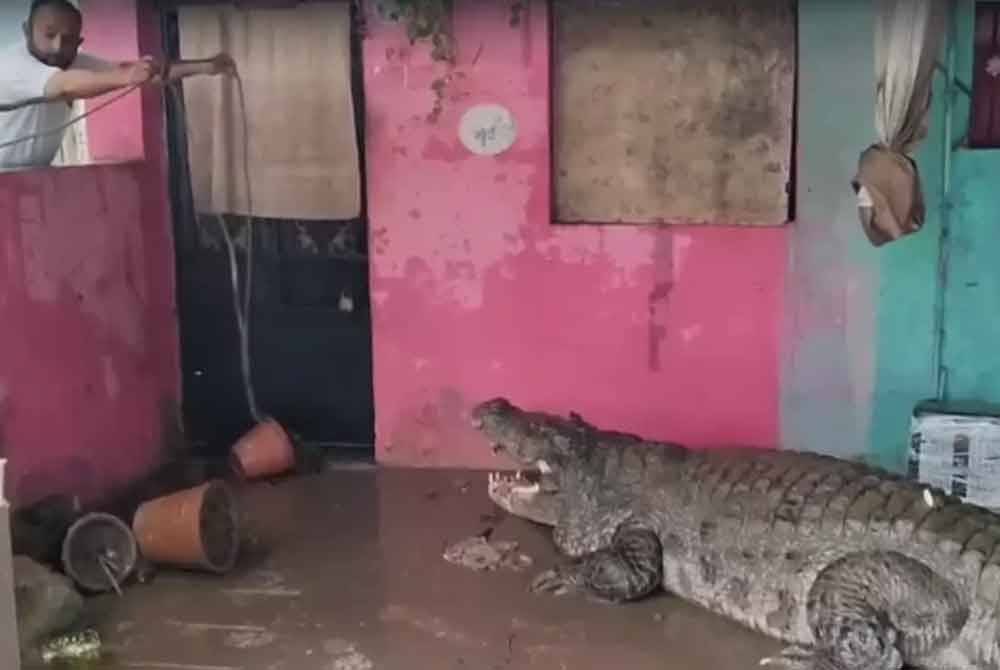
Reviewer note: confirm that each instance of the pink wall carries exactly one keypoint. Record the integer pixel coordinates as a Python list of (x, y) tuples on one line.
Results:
[(672, 332), (110, 31), (88, 351)]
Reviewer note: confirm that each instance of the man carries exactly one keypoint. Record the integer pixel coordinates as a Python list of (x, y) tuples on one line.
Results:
[(40, 79)]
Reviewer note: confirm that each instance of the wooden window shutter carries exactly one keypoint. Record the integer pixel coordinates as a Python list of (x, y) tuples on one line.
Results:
[(675, 112)]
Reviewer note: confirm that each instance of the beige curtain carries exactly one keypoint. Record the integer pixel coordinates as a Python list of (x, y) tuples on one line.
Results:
[(296, 70), (908, 39)]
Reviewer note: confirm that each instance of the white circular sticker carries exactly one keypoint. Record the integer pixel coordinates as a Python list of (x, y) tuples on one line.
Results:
[(487, 130)]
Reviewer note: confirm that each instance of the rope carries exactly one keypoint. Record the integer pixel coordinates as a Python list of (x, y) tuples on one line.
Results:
[(242, 317), (242, 311), (60, 128)]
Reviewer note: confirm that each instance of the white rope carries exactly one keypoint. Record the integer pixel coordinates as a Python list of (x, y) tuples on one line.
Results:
[(245, 335), (242, 312)]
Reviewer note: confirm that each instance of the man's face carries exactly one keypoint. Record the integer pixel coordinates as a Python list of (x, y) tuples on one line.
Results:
[(54, 36)]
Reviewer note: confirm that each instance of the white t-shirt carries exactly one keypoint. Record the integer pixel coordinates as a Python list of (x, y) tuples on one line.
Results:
[(23, 76)]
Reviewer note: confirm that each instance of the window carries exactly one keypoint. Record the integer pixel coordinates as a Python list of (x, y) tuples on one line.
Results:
[(984, 123), (678, 112)]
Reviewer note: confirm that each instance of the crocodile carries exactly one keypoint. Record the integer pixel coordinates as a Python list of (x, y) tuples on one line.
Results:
[(847, 565)]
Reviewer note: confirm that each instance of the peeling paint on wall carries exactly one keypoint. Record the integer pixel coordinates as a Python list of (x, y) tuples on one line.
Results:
[(476, 293), (102, 269), (438, 247)]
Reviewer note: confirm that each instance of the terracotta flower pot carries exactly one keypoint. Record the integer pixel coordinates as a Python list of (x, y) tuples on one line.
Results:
[(264, 451), (196, 528)]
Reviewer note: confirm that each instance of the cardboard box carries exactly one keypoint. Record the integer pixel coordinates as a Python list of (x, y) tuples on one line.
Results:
[(10, 654), (957, 448)]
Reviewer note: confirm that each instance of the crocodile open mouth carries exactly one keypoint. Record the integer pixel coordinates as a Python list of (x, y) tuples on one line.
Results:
[(531, 494), (526, 482), (520, 483)]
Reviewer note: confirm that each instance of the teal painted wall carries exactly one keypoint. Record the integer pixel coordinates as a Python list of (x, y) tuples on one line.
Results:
[(905, 353), (860, 331), (972, 291), (905, 367), (828, 367)]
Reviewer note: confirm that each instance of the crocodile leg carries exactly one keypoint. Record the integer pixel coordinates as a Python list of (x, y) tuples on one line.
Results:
[(629, 569), (875, 611)]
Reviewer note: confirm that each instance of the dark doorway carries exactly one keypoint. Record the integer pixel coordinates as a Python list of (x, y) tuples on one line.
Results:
[(309, 321)]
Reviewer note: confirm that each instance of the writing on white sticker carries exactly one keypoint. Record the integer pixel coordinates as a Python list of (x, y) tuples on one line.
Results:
[(487, 130)]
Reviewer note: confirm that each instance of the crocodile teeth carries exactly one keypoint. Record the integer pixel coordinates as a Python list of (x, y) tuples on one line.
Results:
[(528, 490), (497, 478), (543, 467)]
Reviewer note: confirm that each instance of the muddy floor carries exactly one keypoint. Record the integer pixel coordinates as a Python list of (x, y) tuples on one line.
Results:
[(344, 571)]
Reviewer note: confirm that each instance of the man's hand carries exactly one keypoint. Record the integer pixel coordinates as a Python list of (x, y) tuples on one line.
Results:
[(140, 71), (73, 84), (223, 63)]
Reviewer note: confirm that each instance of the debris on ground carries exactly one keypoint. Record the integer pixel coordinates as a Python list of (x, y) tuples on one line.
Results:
[(481, 554), (47, 603), (82, 646)]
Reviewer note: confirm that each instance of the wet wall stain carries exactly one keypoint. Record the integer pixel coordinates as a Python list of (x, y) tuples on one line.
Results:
[(92, 300), (659, 297)]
